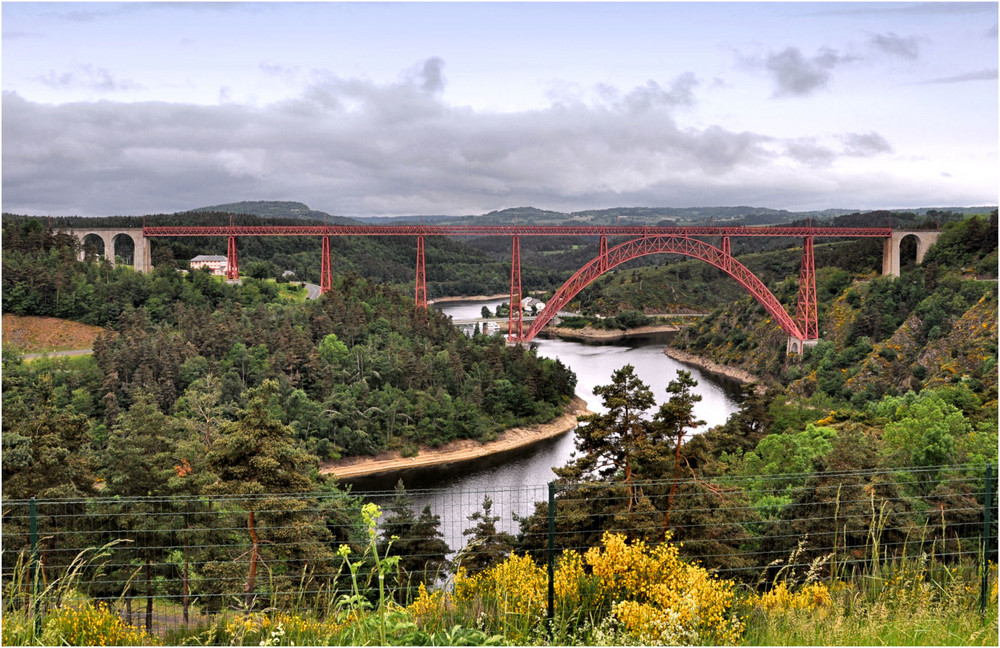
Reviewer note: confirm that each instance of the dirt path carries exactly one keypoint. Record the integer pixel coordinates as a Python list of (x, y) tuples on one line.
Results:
[(54, 354), (459, 451)]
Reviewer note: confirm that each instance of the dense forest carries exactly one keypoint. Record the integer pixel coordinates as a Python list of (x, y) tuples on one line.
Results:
[(354, 373)]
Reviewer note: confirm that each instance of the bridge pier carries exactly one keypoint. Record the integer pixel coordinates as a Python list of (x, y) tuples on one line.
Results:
[(890, 248), (420, 293), (515, 330), (325, 273), (797, 347)]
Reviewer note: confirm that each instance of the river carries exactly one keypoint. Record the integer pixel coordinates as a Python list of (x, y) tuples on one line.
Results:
[(516, 481)]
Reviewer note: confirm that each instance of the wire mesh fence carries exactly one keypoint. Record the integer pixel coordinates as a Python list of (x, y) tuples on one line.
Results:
[(162, 562)]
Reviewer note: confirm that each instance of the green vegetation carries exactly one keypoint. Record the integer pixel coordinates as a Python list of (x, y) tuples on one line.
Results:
[(228, 397), (356, 372), (615, 593)]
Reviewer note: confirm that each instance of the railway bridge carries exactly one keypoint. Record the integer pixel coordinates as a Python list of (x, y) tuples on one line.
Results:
[(802, 328)]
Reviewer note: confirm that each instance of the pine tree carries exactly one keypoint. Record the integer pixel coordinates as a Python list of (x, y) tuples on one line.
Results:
[(486, 546), (418, 541), (611, 442), (675, 419), (256, 457)]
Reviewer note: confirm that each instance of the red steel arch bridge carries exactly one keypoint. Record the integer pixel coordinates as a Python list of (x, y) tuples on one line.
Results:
[(802, 328)]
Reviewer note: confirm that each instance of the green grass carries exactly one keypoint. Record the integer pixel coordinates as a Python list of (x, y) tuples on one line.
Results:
[(915, 601)]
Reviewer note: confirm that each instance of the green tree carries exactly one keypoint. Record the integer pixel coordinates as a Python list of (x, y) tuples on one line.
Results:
[(332, 351), (256, 457), (486, 545), (138, 462), (418, 542), (610, 443), (674, 419)]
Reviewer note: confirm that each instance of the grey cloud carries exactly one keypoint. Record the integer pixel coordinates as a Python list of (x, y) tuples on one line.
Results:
[(796, 75), (21, 35), (276, 70), (354, 147), (87, 76), (809, 152), (908, 48), (992, 32), (86, 15), (431, 75), (980, 75), (865, 144), (649, 96), (681, 93)]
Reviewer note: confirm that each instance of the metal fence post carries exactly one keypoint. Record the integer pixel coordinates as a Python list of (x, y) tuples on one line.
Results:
[(984, 586), (33, 530), (552, 555)]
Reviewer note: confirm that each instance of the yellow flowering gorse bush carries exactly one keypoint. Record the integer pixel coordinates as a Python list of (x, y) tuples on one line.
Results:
[(660, 598), (813, 596), (86, 625), (517, 586), (280, 629)]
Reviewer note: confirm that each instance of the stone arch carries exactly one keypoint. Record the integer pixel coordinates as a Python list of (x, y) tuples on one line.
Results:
[(123, 247), (891, 248), (95, 242), (141, 256)]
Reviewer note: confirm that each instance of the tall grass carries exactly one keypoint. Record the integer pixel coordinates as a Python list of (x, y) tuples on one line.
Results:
[(617, 594)]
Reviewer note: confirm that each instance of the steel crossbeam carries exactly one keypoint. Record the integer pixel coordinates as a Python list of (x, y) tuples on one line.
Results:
[(665, 245), (511, 230)]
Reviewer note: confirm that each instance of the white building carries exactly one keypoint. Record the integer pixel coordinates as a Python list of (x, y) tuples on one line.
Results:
[(528, 302), (216, 263)]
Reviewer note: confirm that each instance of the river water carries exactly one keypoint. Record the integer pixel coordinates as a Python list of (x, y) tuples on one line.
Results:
[(515, 481)]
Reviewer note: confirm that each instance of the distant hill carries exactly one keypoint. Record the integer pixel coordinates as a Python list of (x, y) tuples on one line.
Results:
[(740, 215), (278, 209), (432, 219)]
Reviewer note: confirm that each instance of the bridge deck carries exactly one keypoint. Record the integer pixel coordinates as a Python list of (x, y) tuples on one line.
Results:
[(511, 230)]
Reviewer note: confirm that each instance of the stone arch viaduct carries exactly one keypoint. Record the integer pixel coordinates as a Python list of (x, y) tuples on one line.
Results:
[(142, 260)]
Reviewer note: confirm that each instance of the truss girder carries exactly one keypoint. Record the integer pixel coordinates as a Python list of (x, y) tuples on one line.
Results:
[(512, 230), (665, 245)]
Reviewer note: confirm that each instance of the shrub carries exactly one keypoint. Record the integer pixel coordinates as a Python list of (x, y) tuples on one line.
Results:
[(87, 625)]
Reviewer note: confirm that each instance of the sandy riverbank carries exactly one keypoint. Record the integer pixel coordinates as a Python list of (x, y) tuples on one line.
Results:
[(445, 300), (711, 366), (604, 335), (459, 451)]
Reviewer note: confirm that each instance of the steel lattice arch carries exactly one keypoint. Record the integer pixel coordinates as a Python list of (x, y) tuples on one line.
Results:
[(684, 245)]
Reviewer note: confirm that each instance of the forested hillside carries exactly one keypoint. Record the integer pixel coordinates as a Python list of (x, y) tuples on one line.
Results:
[(354, 373), (935, 324)]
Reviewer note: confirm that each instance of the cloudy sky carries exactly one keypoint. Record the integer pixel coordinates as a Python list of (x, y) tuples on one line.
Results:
[(369, 109)]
